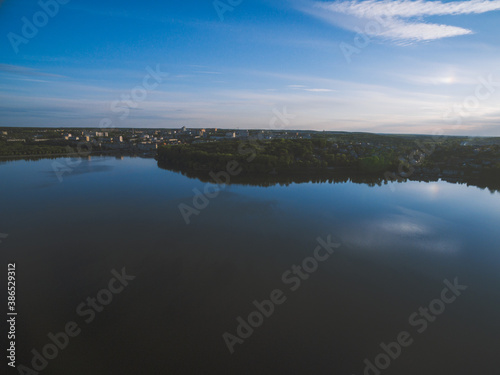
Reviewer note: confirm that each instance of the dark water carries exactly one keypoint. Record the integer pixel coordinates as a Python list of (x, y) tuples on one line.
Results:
[(67, 233)]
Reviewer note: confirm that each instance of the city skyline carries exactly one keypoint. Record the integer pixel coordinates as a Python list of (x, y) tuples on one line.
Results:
[(415, 67)]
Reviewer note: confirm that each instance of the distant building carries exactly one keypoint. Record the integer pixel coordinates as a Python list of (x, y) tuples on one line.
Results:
[(243, 133), (231, 135)]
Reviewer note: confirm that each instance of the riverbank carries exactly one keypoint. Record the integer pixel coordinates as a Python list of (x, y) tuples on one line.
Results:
[(149, 155)]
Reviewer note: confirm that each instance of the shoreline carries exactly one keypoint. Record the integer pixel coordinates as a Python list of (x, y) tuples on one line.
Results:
[(79, 155), (481, 179), (341, 174)]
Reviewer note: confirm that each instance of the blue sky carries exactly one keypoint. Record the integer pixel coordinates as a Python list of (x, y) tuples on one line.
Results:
[(376, 66)]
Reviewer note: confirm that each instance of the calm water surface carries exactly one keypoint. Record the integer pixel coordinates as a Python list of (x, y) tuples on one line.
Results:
[(193, 281)]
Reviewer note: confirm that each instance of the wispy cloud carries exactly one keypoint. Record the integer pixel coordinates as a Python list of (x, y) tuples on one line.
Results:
[(206, 72), (304, 88), (318, 90), (400, 20), (25, 71)]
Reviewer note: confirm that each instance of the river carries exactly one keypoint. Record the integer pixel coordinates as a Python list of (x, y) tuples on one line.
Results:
[(145, 277)]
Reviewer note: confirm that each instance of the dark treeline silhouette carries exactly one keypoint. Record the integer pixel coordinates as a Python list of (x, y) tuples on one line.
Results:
[(332, 177), (282, 154), (281, 161)]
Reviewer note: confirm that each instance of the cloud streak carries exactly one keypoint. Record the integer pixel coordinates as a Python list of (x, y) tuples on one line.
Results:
[(318, 90), (25, 71), (400, 20)]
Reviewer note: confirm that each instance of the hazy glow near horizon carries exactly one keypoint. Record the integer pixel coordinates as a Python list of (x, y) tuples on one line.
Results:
[(391, 66)]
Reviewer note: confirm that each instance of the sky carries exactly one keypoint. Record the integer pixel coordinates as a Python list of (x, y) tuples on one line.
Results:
[(392, 66)]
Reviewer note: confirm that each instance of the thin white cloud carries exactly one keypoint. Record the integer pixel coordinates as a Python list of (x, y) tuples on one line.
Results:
[(19, 70), (318, 90), (303, 88), (400, 20), (207, 72), (410, 8), (401, 30)]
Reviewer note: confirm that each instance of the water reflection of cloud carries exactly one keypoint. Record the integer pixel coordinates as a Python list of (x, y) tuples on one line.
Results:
[(408, 229), (401, 227)]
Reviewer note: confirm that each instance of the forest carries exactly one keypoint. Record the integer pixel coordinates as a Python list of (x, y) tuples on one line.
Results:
[(274, 155), (374, 159)]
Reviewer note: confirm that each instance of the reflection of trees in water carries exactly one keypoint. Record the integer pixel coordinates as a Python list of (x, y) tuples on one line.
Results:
[(120, 155), (484, 180)]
